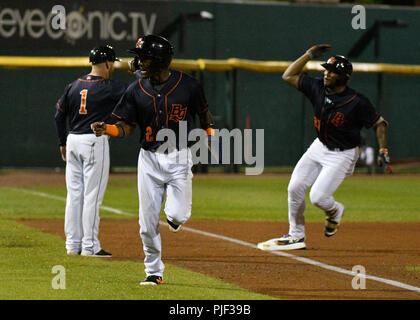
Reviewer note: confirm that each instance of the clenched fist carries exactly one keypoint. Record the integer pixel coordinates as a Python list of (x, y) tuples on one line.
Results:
[(133, 65), (98, 128), (384, 160), (318, 50)]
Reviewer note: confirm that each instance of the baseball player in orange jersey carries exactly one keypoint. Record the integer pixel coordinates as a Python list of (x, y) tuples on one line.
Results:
[(162, 99), (339, 115), (90, 98)]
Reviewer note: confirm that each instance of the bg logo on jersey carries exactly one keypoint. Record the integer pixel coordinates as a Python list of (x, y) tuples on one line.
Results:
[(178, 112), (338, 119)]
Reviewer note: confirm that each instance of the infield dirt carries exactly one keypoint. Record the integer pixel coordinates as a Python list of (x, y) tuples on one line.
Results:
[(387, 250)]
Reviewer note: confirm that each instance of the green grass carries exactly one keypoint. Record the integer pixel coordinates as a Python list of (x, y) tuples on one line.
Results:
[(377, 198), (28, 255), (414, 268)]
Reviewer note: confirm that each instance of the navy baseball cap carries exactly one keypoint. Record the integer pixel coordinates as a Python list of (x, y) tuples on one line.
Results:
[(102, 54)]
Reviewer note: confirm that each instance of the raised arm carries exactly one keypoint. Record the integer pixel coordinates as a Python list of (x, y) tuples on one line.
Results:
[(292, 73)]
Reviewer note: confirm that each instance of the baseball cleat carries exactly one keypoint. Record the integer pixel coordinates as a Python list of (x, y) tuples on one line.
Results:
[(100, 254), (152, 281), (333, 219), (287, 242), (174, 227)]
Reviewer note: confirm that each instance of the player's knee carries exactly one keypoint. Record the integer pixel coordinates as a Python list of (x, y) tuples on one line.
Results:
[(75, 196), (296, 190), (318, 199), (179, 216)]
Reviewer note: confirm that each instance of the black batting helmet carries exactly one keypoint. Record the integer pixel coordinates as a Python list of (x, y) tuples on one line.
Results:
[(102, 54), (340, 65), (156, 48)]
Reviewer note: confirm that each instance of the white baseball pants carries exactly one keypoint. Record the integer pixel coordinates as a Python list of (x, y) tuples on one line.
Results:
[(160, 173), (325, 170), (87, 172)]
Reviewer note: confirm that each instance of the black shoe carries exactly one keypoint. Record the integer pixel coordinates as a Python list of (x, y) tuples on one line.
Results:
[(100, 254), (173, 227), (152, 281)]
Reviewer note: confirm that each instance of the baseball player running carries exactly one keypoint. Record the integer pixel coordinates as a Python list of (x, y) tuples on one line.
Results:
[(161, 99), (90, 98), (339, 115)]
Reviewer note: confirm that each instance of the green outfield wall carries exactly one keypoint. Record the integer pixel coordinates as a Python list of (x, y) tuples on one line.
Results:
[(256, 31)]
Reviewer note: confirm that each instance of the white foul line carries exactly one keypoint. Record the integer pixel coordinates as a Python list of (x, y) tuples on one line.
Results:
[(248, 244), (50, 196), (308, 261)]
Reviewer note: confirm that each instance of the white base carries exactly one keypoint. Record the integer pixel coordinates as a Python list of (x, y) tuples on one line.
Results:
[(272, 245)]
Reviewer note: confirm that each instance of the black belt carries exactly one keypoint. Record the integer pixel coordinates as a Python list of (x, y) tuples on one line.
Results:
[(156, 148), (335, 149)]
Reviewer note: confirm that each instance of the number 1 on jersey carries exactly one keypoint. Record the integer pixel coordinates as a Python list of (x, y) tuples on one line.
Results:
[(82, 109)]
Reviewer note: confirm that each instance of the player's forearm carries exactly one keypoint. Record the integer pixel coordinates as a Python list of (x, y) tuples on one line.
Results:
[(381, 135), (119, 130), (206, 120), (61, 131), (296, 67)]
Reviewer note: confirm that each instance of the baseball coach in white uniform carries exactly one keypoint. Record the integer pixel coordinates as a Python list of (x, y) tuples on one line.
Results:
[(90, 98)]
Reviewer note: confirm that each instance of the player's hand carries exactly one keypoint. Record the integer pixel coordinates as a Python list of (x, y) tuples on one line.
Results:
[(133, 65), (63, 152), (98, 128), (318, 50), (384, 159)]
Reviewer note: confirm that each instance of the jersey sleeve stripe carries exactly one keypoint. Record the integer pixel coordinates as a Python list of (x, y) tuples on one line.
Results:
[(114, 114), (374, 121)]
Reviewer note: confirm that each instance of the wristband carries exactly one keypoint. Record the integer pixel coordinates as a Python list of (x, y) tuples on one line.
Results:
[(210, 131), (111, 130)]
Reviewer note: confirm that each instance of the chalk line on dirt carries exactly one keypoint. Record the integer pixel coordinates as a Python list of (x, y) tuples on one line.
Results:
[(246, 244)]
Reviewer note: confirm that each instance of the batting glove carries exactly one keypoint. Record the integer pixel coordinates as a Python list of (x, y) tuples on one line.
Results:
[(133, 65), (384, 160), (318, 50)]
